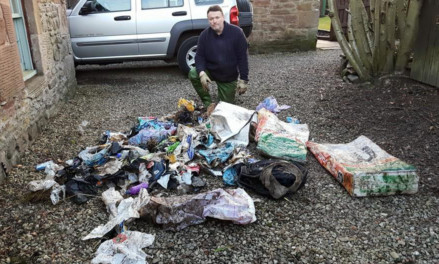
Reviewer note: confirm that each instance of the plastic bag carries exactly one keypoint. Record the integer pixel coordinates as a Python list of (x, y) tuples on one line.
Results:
[(54, 194), (189, 105), (92, 156), (279, 139), (270, 103), (272, 178), (215, 157), (127, 209), (365, 169), (126, 248), (110, 198), (178, 212), (232, 123)]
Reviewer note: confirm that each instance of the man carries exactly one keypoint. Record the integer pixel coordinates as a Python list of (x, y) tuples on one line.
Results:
[(221, 57)]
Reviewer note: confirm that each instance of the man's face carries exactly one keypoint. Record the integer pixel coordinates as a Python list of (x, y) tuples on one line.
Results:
[(216, 21)]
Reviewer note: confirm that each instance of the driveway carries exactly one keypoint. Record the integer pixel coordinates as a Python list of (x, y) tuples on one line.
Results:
[(319, 224)]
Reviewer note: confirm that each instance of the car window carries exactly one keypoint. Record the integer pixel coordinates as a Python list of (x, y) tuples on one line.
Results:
[(149, 4), (101, 6), (208, 2)]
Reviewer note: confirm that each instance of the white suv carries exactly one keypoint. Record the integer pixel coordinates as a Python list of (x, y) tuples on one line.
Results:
[(107, 31)]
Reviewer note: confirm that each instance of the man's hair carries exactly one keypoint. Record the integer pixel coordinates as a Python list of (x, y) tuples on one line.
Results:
[(215, 8)]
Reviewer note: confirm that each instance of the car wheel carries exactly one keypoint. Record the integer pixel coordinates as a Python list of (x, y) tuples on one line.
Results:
[(243, 5), (186, 54), (247, 30)]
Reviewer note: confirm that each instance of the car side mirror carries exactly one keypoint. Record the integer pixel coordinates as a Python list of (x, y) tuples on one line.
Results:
[(87, 8)]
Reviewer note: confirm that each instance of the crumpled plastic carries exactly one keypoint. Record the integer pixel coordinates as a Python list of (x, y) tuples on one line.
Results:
[(152, 122), (279, 139), (127, 209), (111, 167), (109, 137), (178, 212), (232, 123), (50, 168), (39, 185), (188, 104), (270, 103), (217, 156), (110, 198), (188, 137), (92, 156), (126, 248), (272, 178), (55, 194), (151, 133), (81, 189)]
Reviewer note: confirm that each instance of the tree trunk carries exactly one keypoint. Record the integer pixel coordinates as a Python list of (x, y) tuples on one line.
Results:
[(347, 50), (382, 42), (409, 35), (390, 35), (367, 27), (359, 33)]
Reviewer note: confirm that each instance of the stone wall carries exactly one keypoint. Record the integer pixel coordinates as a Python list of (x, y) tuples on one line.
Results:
[(25, 107), (284, 25)]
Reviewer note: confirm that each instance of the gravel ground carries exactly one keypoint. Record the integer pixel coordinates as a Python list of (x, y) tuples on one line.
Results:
[(319, 224)]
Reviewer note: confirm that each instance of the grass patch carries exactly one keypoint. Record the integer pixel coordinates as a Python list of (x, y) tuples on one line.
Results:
[(325, 23), (221, 249)]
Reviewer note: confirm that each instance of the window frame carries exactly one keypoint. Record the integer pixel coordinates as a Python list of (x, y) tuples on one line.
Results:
[(106, 12), (23, 44), (217, 2), (168, 6)]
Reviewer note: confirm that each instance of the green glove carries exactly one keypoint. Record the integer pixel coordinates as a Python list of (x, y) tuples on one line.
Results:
[(205, 80), (242, 86)]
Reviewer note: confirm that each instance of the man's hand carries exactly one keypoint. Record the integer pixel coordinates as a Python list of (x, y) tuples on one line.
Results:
[(242, 86), (205, 80)]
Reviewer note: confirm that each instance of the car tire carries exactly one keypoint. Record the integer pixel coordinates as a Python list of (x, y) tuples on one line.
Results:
[(247, 30), (186, 54), (243, 5)]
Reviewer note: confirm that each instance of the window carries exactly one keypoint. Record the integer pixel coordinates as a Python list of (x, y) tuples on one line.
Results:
[(208, 2), (71, 3), (103, 6), (22, 42), (149, 4)]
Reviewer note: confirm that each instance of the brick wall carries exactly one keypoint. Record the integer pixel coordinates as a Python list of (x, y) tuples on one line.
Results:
[(11, 81), (26, 107), (284, 25)]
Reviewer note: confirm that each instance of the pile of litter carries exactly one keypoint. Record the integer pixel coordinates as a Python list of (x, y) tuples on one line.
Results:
[(178, 151)]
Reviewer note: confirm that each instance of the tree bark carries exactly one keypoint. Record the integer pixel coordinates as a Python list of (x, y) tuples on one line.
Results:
[(359, 33), (401, 15), (376, 31), (408, 36), (367, 27), (347, 50), (390, 35)]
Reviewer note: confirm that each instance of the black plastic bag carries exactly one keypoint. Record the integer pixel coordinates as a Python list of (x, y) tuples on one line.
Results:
[(272, 178)]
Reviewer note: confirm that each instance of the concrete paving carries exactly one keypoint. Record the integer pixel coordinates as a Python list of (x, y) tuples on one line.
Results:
[(327, 45)]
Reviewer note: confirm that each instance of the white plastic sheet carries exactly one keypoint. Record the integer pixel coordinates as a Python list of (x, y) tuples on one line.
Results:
[(127, 209), (110, 198), (232, 123), (126, 248)]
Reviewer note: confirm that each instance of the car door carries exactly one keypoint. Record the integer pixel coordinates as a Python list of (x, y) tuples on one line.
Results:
[(106, 31), (155, 19)]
